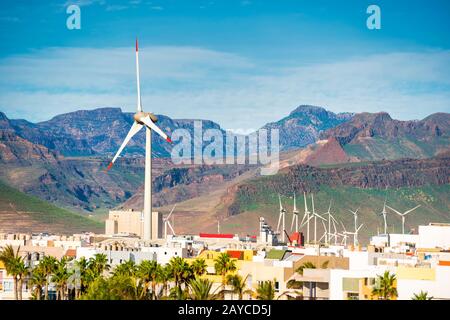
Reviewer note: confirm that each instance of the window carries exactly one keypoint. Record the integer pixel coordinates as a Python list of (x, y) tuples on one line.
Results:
[(277, 286), (8, 286), (352, 296)]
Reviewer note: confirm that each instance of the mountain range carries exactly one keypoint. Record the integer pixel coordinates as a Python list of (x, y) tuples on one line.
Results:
[(62, 160)]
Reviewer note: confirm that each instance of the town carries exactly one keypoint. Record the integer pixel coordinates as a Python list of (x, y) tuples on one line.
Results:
[(223, 266)]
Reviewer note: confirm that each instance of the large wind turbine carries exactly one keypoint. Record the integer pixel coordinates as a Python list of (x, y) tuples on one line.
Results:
[(403, 215), (148, 120), (295, 213), (281, 220)]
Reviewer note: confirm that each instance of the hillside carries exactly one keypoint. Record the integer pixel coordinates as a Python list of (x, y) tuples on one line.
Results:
[(376, 136), (30, 214)]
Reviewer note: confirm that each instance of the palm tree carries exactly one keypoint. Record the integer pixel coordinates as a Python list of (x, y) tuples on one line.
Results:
[(11, 260), (385, 288), (200, 289), (127, 268), (306, 265), (199, 267), (149, 272), (82, 267), (21, 270), (164, 277), (48, 264), (98, 264), (265, 291), (60, 277), (180, 271), (224, 264), (37, 281), (238, 284), (421, 296)]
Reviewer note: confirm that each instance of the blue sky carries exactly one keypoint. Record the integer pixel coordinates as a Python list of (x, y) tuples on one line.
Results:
[(240, 63)]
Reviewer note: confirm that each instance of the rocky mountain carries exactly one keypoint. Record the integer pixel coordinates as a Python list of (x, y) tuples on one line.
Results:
[(99, 132), (376, 136), (304, 125), (15, 149)]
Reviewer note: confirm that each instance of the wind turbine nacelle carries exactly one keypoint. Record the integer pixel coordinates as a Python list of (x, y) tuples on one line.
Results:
[(139, 115)]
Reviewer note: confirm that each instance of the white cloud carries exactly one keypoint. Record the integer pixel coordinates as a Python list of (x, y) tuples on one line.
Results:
[(190, 82)]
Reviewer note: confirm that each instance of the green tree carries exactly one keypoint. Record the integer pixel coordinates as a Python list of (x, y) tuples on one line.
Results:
[(421, 296), (265, 291), (11, 260), (149, 272), (199, 267), (21, 270), (164, 277), (60, 277), (385, 288), (98, 264), (180, 271), (48, 265), (116, 287), (82, 270), (38, 279), (127, 268), (224, 264), (200, 289), (238, 285)]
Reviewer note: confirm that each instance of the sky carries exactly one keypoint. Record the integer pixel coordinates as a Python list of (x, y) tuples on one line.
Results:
[(241, 63)]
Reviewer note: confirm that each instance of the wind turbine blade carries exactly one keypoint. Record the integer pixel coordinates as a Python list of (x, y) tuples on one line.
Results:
[(170, 226), (394, 210), (279, 198), (406, 212), (306, 203), (139, 104), (292, 223), (133, 130), (359, 227), (149, 123), (320, 217), (171, 212)]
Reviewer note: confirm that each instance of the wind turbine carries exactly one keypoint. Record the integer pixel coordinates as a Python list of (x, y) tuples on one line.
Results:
[(306, 218), (281, 219), (167, 223), (344, 235), (403, 215), (315, 215), (355, 234), (355, 216), (295, 213), (325, 233), (147, 120), (384, 213)]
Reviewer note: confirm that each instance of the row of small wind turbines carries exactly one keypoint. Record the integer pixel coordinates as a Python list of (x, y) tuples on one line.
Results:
[(328, 237)]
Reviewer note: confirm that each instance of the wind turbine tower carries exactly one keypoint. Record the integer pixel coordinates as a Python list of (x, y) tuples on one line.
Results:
[(281, 220), (147, 120), (295, 213)]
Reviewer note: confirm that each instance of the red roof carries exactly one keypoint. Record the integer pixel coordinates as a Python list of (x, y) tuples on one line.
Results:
[(71, 253), (235, 254), (216, 235)]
